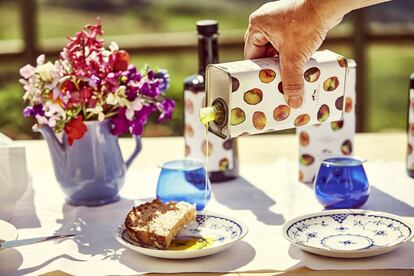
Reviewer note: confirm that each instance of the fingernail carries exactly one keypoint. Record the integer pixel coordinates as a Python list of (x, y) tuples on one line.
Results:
[(295, 101)]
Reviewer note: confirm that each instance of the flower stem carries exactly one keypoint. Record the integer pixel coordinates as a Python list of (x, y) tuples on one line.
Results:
[(109, 115), (87, 117)]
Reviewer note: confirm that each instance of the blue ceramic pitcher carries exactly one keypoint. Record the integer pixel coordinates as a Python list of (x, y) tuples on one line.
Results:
[(91, 171)]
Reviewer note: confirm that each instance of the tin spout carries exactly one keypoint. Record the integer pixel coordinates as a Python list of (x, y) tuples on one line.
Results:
[(208, 114), (216, 113)]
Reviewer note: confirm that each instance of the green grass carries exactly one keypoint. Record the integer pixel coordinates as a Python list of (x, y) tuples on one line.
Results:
[(12, 122), (9, 21), (389, 68), (162, 16)]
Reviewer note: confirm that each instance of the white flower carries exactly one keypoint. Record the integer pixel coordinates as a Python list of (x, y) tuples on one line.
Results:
[(27, 71), (121, 91), (136, 105), (112, 99), (97, 110), (53, 110), (93, 56), (40, 60), (41, 120), (101, 117), (124, 102), (46, 71), (32, 91), (113, 46), (52, 121), (117, 97)]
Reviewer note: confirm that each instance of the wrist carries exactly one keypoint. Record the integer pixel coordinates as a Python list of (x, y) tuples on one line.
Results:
[(329, 12)]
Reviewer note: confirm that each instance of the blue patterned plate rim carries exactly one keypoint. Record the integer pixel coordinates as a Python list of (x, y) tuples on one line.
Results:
[(402, 220), (243, 232)]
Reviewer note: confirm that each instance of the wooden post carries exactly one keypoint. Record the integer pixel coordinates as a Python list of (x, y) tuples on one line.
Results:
[(28, 22), (359, 44)]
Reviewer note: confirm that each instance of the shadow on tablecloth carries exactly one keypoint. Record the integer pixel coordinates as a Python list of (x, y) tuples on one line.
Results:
[(25, 215), (230, 259), (380, 201), (240, 194), (383, 202), (401, 258), (10, 260), (96, 227), (36, 268)]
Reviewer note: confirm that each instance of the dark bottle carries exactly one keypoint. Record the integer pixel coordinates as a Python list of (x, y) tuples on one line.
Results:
[(223, 160), (410, 128)]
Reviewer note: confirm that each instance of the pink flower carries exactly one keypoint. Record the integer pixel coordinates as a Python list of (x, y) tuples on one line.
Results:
[(89, 82), (27, 71), (85, 52)]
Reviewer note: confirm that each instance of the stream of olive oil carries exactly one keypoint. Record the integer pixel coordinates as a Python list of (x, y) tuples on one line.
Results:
[(206, 171)]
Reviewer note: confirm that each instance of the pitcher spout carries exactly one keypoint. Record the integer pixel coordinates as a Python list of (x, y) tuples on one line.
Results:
[(57, 148)]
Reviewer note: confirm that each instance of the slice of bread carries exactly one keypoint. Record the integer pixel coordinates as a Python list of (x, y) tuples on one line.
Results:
[(155, 224)]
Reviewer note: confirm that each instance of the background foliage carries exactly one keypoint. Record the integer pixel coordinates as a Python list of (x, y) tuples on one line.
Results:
[(389, 66)]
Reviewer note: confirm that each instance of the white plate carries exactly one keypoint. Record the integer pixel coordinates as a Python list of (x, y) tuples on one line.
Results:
[(7, 232), (349, 233), (205, 236)]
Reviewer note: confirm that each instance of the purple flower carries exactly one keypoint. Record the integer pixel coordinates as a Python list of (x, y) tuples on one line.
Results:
[(150, 88), (164, 78), (151, 74), (167, 107), (120, 123), (28, 111), (132, 73), (137, 127), (141, 118), (94, 81), (131, 93), (132, 69), (33, 110)]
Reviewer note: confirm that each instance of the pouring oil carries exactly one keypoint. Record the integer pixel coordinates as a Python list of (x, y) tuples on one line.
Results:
[(223, 163), (206, 172)]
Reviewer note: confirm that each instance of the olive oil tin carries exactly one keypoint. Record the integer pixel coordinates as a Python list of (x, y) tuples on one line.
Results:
[(329, 138), (252, 95)]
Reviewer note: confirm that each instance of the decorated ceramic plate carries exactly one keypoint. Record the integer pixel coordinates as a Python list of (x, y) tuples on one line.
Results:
[(348, 233), (209, 234), (7, 232)]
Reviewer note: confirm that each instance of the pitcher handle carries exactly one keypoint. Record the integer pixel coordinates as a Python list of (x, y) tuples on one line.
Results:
[(137, 150)]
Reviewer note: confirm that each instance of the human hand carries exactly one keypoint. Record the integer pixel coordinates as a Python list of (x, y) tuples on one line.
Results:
[(293, 30)]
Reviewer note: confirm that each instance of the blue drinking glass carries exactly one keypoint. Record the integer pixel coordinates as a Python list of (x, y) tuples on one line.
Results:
[(341, 183), (184, 180)]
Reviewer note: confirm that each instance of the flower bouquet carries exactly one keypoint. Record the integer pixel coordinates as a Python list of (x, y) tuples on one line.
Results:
[(91, 95), (89, 82)]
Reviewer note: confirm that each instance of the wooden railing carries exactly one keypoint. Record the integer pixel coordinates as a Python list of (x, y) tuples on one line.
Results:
[(358, 39)]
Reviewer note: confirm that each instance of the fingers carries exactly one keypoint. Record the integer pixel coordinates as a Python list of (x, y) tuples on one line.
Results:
[(271, 51), (254, 45), (258, 46), (291, 69)]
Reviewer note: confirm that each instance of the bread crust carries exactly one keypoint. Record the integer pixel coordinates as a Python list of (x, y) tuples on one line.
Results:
[(155, 224)]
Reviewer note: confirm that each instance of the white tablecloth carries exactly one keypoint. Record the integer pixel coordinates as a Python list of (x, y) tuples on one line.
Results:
[(264, 198)]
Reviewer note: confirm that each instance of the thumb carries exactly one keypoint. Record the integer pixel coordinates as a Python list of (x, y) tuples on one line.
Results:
[(291, 69)]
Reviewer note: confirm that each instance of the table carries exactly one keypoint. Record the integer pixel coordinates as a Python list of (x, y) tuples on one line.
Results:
[(254, 152)]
